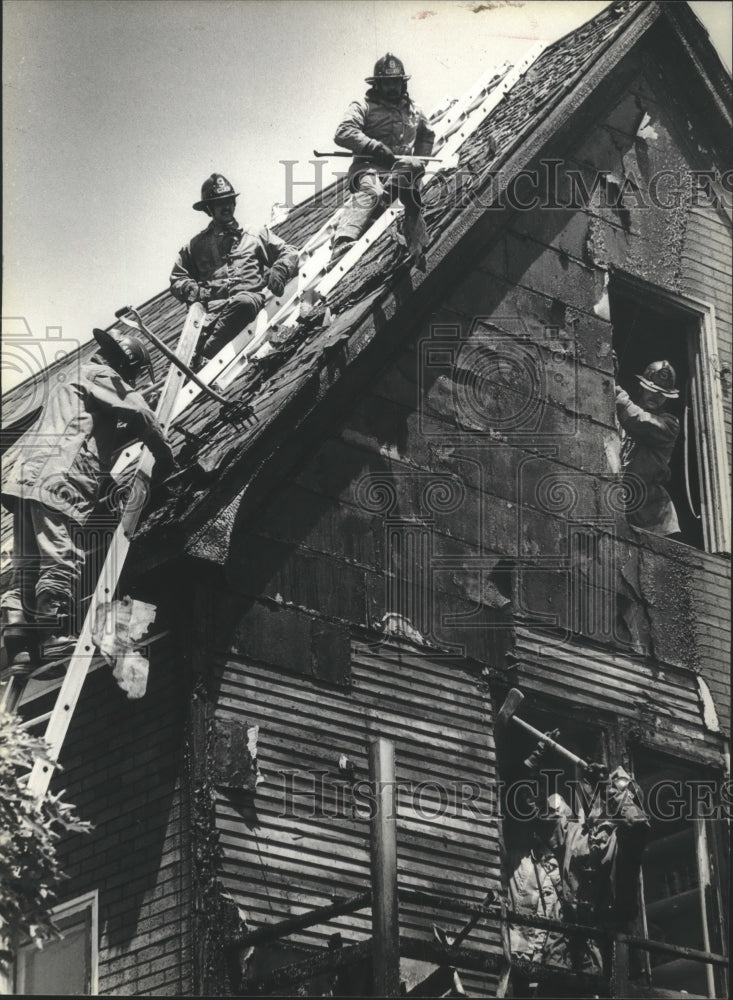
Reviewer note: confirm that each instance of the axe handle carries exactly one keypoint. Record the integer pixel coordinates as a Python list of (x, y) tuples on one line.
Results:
[(168, 353), (550, 742), (466, 929), (339, 152)]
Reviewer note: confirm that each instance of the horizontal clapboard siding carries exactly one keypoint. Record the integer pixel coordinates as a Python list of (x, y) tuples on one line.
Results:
[(706, 274), (283, 861), (711, 607), (605, 682)]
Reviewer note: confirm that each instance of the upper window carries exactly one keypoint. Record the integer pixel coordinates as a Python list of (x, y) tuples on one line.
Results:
[(651, 325), (65, 967)]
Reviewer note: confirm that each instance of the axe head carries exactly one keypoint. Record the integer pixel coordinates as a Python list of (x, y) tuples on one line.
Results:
[(440, 936), (511, 703)]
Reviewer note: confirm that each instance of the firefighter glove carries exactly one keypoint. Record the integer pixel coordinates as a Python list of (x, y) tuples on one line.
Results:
[(276, 280), (595, 774), (413, 164), (381, 154)]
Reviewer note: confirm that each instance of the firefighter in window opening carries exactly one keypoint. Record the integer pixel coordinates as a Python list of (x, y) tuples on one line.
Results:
[(388, 134), (648, 438), (227, 268), (576, 868), (51, 483)]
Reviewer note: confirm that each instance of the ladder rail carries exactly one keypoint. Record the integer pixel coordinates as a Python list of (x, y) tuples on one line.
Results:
[(85, 650), (475, 110)]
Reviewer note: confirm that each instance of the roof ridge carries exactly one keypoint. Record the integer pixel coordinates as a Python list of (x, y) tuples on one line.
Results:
[(633, 9)]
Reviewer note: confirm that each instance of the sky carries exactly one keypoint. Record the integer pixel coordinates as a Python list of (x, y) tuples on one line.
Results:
[(115, 111)]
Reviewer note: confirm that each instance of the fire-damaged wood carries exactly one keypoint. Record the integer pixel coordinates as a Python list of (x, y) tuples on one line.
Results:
[(234, 765), (216, 918), (428, 501)]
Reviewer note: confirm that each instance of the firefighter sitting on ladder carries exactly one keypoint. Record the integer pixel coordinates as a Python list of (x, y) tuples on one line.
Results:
[(388, 134), (51, 484), (226, 267)]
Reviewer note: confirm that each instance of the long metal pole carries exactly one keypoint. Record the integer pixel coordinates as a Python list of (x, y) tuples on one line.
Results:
[(385, 915)]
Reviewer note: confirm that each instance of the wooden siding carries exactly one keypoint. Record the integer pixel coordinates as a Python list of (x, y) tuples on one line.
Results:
[(320, 551), (279, 862), (664, 701), (706, 275), (711, 608)]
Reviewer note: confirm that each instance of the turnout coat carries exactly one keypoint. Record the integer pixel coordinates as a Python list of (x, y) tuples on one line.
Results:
[(60, 461), (371, 124)]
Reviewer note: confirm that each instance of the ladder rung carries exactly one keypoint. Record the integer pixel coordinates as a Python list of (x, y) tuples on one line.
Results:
[(43, 687), (84, 657), (30, 723)]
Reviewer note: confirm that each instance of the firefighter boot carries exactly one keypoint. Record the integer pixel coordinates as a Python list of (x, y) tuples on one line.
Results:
[(20, 643), (52, 614), (416, 238), (340, 247)]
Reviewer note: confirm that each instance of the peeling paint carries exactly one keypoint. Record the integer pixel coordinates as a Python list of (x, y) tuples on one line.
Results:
[(707, 706)]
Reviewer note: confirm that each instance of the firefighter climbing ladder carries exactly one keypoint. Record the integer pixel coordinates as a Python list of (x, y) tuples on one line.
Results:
[(453, 127), (84, 652)]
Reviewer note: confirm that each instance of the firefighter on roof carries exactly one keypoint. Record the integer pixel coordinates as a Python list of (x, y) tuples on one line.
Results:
[(648, 438), (387, 134), (227, 268), (51, 483)]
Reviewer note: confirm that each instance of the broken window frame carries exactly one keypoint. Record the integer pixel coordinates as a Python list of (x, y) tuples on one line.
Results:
[(707, 849), (706, 399), (546, 714), (86, 909), (612, 742)]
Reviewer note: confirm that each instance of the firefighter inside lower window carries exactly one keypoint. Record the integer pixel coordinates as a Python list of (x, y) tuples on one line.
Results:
[(388, 135), (577, 866), (648, 438)]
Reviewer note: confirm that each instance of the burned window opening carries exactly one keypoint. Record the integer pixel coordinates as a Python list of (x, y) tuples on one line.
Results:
[(535, 855), (679, 903), (642, 335)]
